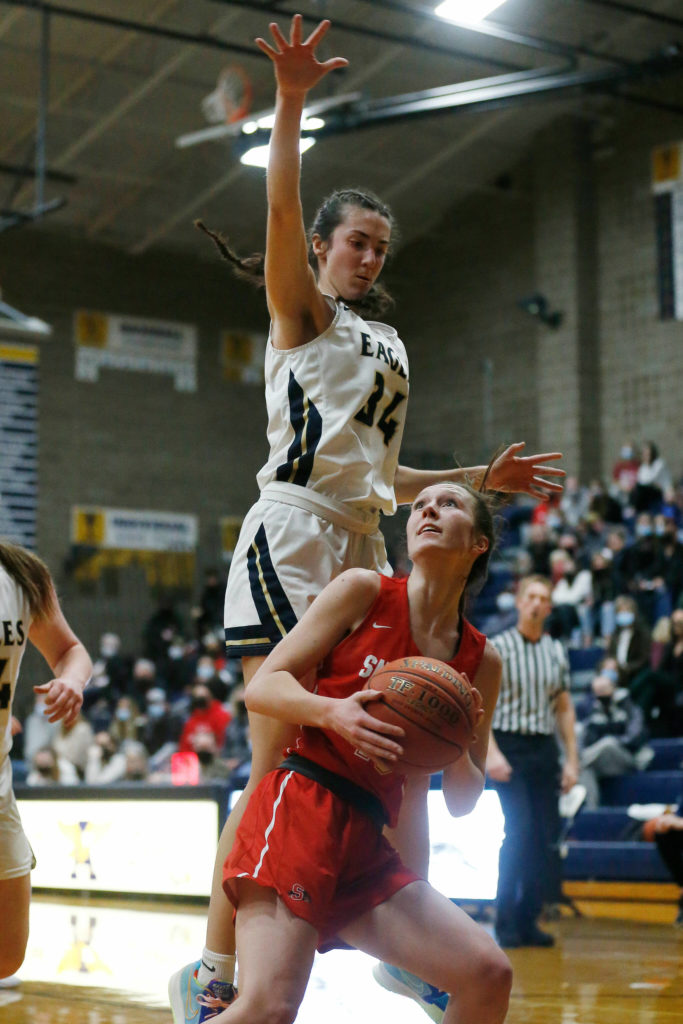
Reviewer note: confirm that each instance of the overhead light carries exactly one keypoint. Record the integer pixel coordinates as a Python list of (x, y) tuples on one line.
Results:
[(249, 127), (312, 124), (467, 10), (257, 156)]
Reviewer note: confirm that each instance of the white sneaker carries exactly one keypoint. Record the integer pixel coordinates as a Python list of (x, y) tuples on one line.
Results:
[(432, 1000)]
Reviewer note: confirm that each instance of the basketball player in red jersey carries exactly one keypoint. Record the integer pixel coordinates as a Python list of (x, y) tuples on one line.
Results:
[(310, 867)]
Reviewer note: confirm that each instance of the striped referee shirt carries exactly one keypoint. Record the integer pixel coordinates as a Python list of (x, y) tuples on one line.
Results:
[(533, 676)]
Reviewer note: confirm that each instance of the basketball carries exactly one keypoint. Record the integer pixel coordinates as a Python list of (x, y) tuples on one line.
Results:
[(433, 704)]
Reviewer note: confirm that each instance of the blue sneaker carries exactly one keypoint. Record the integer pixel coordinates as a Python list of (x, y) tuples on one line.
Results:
[(432, 1000), (192, 1003)]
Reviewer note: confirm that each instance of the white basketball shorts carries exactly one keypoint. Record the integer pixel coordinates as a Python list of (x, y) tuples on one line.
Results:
[(284, 557)]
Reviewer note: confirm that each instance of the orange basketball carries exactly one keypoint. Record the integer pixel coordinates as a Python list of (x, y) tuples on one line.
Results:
[(433, 704)]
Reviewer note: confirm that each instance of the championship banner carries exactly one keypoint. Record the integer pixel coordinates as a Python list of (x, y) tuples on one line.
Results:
[(242, 356), (667, 185), (135, 343), (133, 530), (162, 543), (19, 390)]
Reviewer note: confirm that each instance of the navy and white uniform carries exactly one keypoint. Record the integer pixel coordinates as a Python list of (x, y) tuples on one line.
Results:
[(336, 413), (16, 858)]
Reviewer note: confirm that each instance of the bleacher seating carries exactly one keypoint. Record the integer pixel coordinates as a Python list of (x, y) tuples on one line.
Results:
[(605, 844)]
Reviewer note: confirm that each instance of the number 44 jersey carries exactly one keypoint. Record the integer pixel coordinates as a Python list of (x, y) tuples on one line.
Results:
[(336, 412)]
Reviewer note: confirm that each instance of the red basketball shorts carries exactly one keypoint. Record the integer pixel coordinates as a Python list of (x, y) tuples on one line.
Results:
[(325, 859)]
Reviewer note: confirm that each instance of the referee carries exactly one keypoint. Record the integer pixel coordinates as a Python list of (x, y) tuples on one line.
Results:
[(523, 764)]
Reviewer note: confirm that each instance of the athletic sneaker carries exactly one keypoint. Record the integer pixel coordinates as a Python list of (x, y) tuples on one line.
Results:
[(432, 1000), (192, 1003)]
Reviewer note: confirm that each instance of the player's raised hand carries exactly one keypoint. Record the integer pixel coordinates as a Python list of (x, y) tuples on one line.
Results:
[(525, 474), (297, 69)]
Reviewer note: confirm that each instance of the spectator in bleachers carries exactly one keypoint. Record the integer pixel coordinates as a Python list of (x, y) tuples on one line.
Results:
[(612, 736), (145, 677), (72, 742), (125, 724), (137, 767), (658, 689), (205, 713), (603, 596), (161, 724), (603, 504), (574, 502), (671, 549), (616, 543), (106, 763), (666, 830), (208, 614), (48, 769), (625, 472), (652, 480), (644, 569), (571, 597), (541, 542), (237, 742), (631, 641), (160, 630), (111, 673), (212, 767)]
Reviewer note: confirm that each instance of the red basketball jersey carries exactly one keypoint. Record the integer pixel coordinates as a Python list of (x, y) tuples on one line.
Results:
[(383, 636)]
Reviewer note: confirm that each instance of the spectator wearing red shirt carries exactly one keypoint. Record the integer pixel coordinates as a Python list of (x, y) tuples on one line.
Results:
[(206, 714)]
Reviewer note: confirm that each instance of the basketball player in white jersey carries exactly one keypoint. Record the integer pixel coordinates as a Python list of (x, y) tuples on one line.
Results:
[(29, 610), (336, 394)]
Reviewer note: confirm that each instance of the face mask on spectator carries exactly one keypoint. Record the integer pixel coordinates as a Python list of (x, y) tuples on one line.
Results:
[(205, 672), (505, 601), (627, 452), (175, 652), (123, 714), (610, 673), (156, 710), (643, 530), (625, 618)]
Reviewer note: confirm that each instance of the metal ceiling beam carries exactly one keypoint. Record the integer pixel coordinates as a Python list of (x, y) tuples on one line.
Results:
[(24, 171), (410, 41), (199, 39), (482, 94), (495, 30), (635, 11)]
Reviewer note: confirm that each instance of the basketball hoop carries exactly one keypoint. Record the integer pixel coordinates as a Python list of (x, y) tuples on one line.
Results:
[(231, 99)]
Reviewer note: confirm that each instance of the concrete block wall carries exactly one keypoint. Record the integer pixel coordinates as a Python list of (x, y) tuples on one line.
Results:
[(131, 440)]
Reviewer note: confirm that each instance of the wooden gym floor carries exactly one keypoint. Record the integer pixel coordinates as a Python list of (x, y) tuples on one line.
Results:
[(92, 961)]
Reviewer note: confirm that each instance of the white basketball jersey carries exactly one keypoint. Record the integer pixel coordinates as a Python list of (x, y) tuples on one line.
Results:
[(15, 619), (336, 412)]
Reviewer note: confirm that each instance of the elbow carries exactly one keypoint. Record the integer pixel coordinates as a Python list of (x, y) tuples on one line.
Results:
[(459, 804)]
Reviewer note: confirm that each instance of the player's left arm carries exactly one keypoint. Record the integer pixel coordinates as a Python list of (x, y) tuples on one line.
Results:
[(67, 657), (511, 472), (463, 781)]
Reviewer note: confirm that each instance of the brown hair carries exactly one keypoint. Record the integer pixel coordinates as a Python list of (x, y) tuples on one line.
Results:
[(330, 214), (32, 575)]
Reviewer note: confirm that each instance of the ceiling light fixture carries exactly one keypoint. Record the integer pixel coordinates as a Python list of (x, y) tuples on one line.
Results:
[(257, 156), (467, 10)]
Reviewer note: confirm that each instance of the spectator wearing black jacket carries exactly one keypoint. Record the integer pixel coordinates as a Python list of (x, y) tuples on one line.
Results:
[(612, 736)]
